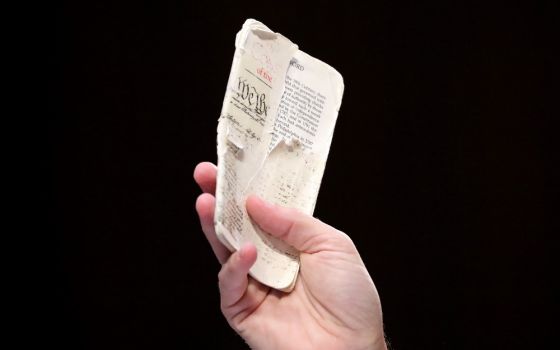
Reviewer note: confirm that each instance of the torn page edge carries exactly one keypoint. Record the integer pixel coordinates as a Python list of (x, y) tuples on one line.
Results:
[(263, 32)]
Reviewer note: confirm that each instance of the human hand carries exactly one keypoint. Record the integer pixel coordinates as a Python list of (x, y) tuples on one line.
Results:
[(334, 304)]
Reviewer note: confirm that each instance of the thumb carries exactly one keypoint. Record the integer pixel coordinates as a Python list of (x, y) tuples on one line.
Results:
[(301, 231)]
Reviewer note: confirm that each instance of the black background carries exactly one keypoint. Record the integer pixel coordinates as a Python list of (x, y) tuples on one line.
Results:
[(437, 168)]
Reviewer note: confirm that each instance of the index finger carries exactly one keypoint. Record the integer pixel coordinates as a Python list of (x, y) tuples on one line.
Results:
[(205, 207), (205, 176)]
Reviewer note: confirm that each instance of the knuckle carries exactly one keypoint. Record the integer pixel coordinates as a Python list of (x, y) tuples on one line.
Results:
[(344, 239), (222, 275), (224, 309), (292, 212), (343, 235)]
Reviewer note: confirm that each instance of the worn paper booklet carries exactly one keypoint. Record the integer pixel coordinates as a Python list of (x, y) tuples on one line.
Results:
[(274, 135)]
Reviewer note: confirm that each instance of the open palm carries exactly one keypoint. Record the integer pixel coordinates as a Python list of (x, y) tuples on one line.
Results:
[(334, 304)]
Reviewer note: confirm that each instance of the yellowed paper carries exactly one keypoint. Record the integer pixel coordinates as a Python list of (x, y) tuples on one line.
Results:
[(274, 136)]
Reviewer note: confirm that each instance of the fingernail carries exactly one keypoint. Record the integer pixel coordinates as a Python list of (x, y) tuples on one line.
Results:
[(264, 203), (243, 250)]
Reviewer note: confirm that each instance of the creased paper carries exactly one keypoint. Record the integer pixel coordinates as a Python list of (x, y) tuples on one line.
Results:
[(274, 135)]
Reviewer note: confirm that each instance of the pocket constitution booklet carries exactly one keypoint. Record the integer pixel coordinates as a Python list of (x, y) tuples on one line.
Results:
[(274, 135)]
